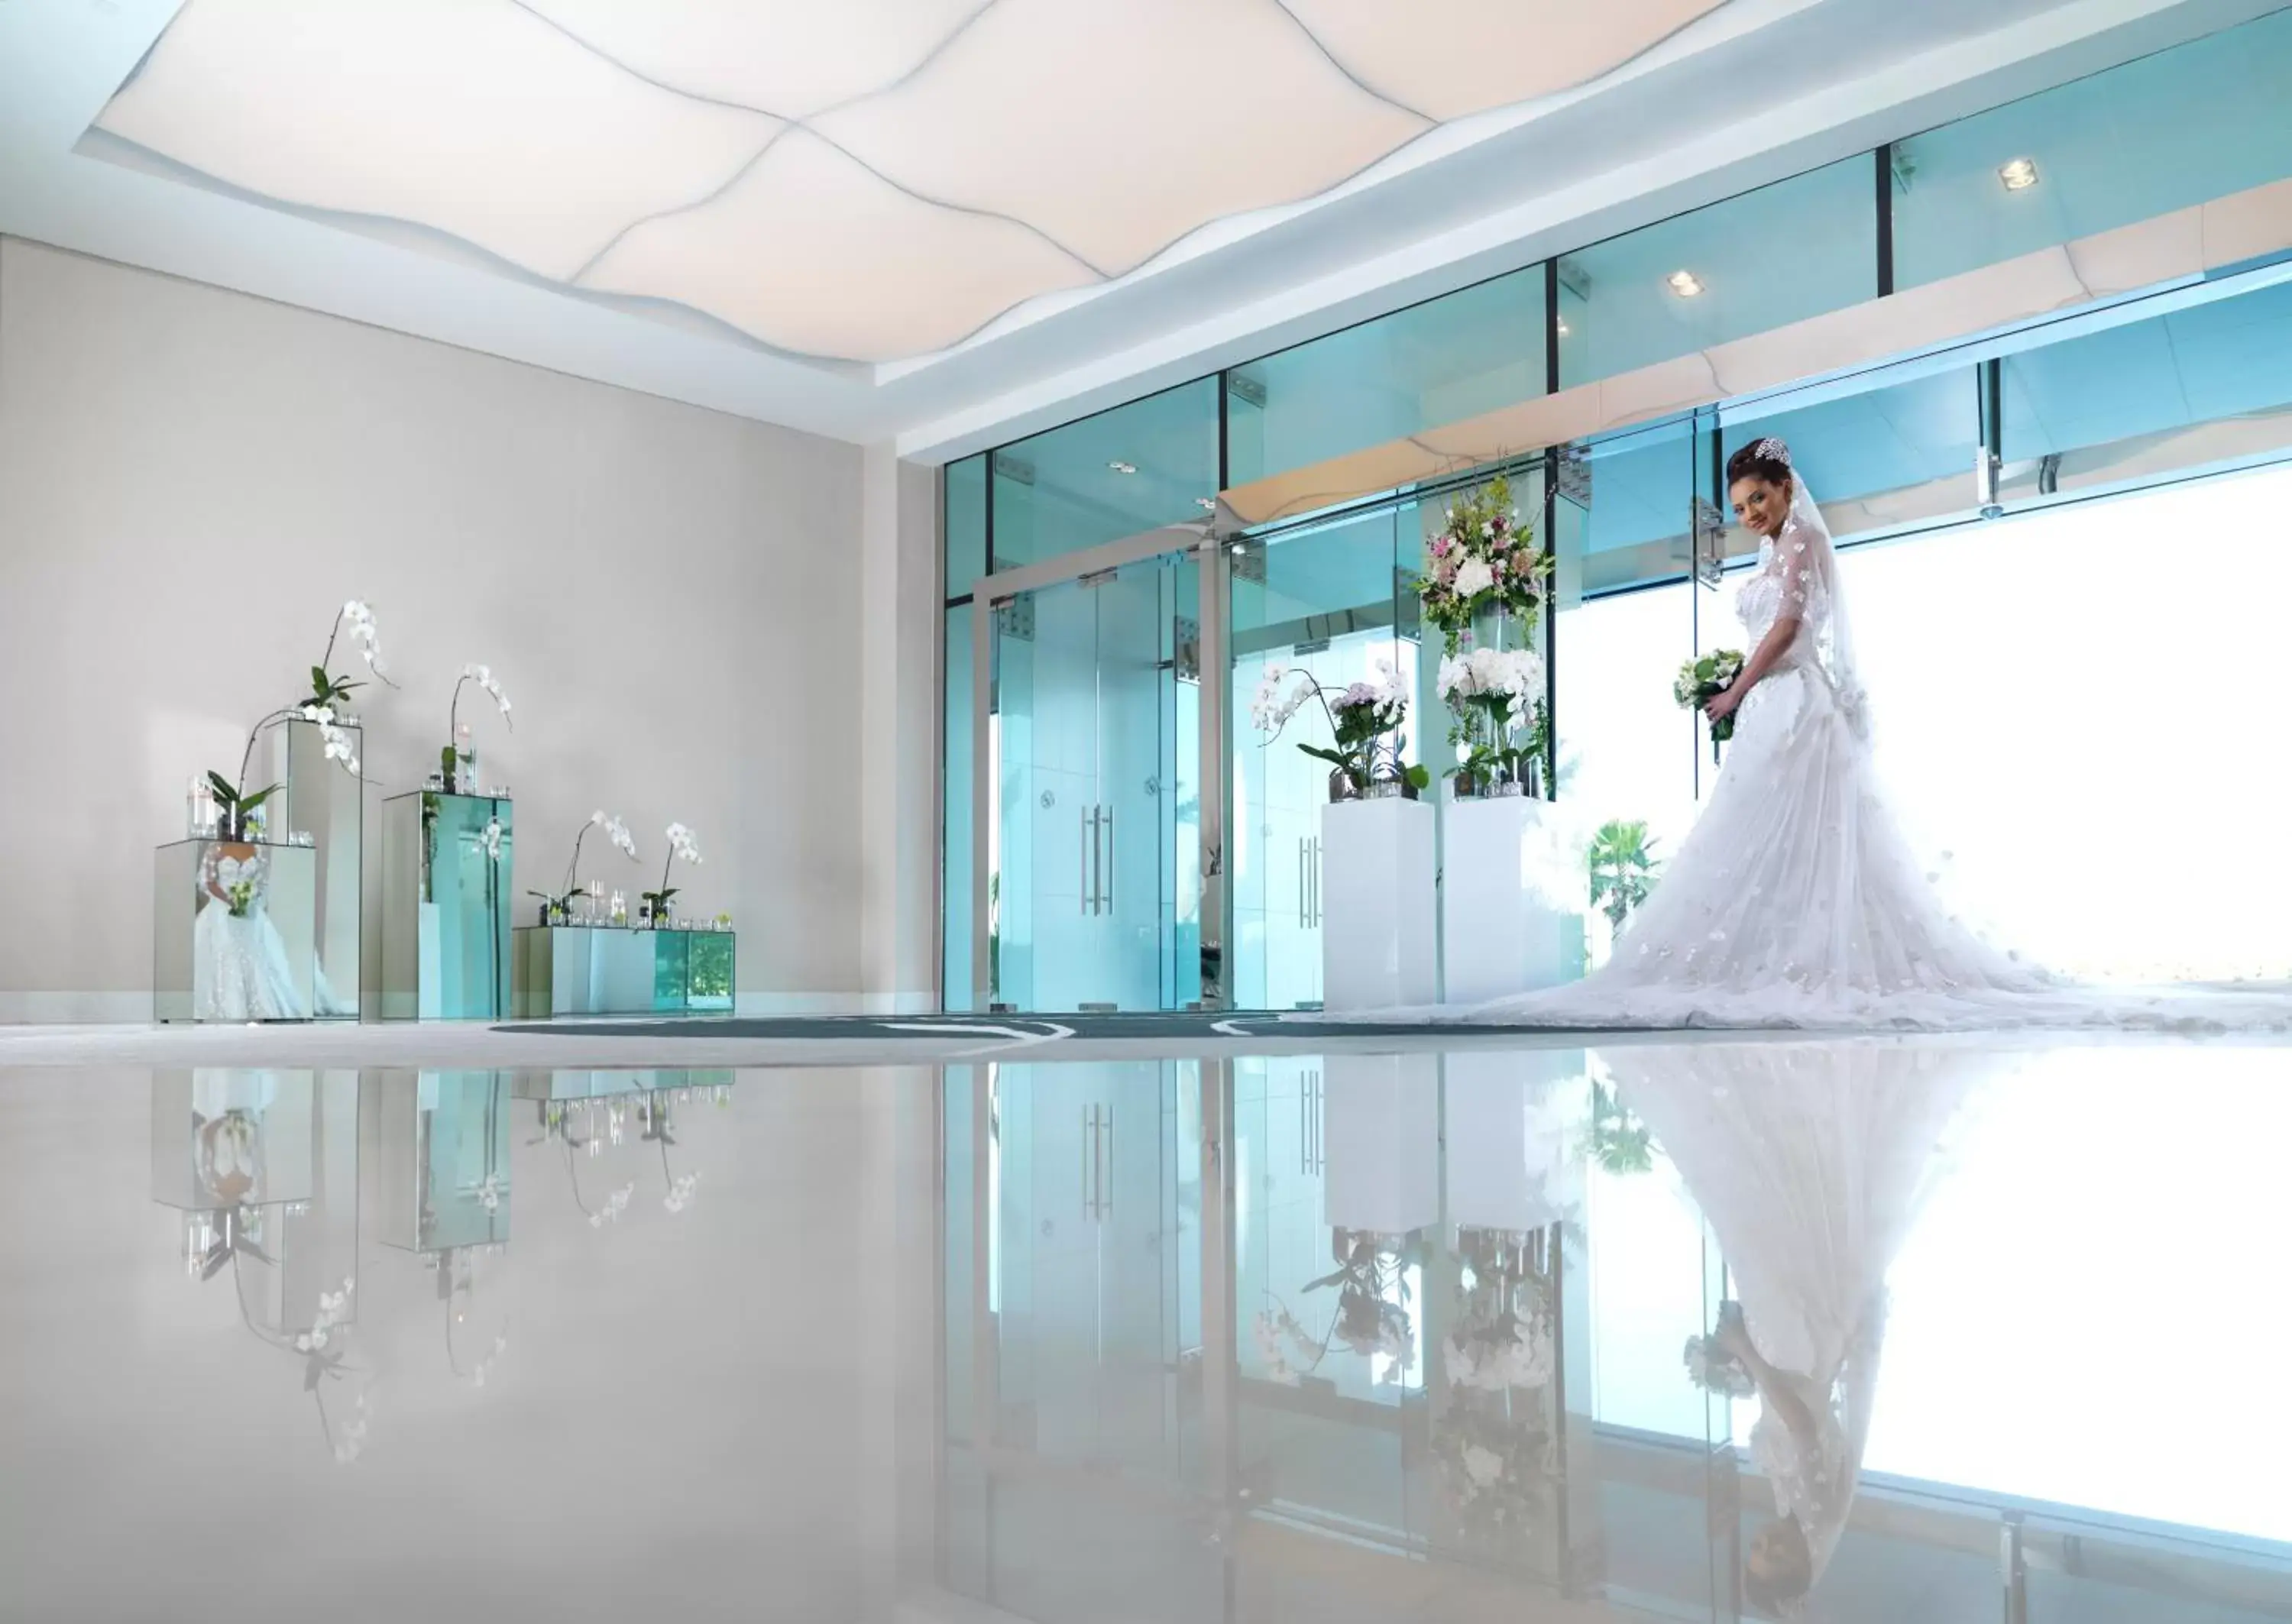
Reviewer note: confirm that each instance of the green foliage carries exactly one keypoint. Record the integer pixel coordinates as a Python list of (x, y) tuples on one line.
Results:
[(1623, 868)]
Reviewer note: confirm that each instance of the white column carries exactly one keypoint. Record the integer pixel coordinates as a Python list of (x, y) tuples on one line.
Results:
[(898, 800)]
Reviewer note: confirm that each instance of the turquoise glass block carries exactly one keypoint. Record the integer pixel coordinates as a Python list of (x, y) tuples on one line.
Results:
[(320, 805), (606, 969), (437, 1158), (446, 884), (232, 931)]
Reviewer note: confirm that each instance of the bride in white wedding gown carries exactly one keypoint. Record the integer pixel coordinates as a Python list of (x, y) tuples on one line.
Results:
[(1795, 901), (1810, 1160)]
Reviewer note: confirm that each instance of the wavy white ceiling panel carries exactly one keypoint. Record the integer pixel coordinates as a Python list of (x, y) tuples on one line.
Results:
[(948, 160), (793, 58), (1118, 127), (810, 251), (471, 116), (1447, 59)]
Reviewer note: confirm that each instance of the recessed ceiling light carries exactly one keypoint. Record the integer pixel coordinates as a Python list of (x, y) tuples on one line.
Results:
[(1563, 329), (1124, 468), (1207, 505), (1686, 284), (2019, 175)]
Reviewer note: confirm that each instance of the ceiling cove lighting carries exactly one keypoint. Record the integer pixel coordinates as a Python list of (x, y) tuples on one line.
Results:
[(2019, 176), (1686, 284)]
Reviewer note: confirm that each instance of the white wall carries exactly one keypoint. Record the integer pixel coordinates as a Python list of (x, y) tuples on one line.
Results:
[(192, 481)]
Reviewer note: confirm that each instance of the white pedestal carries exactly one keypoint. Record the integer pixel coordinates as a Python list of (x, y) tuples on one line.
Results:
[(1379, 926), (1519, 1128), (1381, 1136), (1512, 906)]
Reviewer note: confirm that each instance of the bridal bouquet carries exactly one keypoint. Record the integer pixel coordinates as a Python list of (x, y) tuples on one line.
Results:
[(1482, 561), (1701, 680)]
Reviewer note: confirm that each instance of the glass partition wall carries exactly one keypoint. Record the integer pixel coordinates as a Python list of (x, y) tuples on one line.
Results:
[(1997, 599)]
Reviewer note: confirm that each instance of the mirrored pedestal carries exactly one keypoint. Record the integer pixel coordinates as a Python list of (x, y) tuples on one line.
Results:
[(322, 805), (446, 886), (436, 1162), (232, 925), (610, 970)]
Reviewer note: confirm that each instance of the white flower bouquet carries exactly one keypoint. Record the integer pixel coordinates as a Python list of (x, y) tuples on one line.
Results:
[(1483, 561), (1498, 698), (1701, 680)]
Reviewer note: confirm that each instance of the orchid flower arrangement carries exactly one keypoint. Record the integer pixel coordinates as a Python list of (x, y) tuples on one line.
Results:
[(556, 906), (680, 844), (1364, 721), (451, 758), (332, 693)]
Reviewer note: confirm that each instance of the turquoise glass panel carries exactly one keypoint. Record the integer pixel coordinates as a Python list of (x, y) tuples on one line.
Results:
[(1880, 460), (1152, 463), (439, 1159), (447, 887), (2203, 388), (965, 498), (604, 969), (2200, 121), (1760, 261), (1454, 356), (957, 780), (709, 971)]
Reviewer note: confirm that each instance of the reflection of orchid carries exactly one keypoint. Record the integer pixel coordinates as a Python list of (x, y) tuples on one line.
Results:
[(457, 1289), (1503, 1335), (1371, 1318)]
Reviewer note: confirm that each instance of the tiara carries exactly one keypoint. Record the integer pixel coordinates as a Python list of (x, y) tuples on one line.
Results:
[(1773, 450)]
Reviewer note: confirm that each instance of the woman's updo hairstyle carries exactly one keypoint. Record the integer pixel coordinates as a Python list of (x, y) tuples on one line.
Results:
[(1768, 459)]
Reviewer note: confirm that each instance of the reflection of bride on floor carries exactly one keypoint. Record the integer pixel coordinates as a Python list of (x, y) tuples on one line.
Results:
[(241, 969), (1810, 1163)]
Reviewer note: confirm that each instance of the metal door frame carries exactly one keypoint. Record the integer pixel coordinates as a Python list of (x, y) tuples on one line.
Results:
[(991, 593)]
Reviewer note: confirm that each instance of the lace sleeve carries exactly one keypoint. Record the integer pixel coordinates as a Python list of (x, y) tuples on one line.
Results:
[(1798, 567)]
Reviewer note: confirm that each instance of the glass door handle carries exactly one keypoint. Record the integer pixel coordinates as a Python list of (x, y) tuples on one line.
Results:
[(1105, 859), (1083, 843)]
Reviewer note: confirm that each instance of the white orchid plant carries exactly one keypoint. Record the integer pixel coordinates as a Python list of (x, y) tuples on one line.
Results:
[(452, 756), (556, 907), (332, 693), (1497, 696), (682, 844), (1365, 726)]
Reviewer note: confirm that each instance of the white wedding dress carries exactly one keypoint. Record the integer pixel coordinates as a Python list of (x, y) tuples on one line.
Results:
[(1796, 902), (1812, 1162)]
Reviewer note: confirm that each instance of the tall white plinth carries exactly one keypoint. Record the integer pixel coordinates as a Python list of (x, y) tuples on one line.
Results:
[(1379, 915), (1512, 904)]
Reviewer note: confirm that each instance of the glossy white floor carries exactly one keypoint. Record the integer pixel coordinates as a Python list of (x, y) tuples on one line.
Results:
[(1370, 1332)]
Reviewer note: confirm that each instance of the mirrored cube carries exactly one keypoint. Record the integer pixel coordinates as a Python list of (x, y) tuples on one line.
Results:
[(319, 803), (435, 1158), (446, 879), (603, 970), (233, 926)]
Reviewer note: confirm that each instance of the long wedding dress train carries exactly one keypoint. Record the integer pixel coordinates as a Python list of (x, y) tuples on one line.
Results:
[(1796, 901)]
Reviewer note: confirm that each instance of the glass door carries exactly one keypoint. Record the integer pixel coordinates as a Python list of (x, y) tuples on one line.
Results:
[(1331, 603), (1093, 745)]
